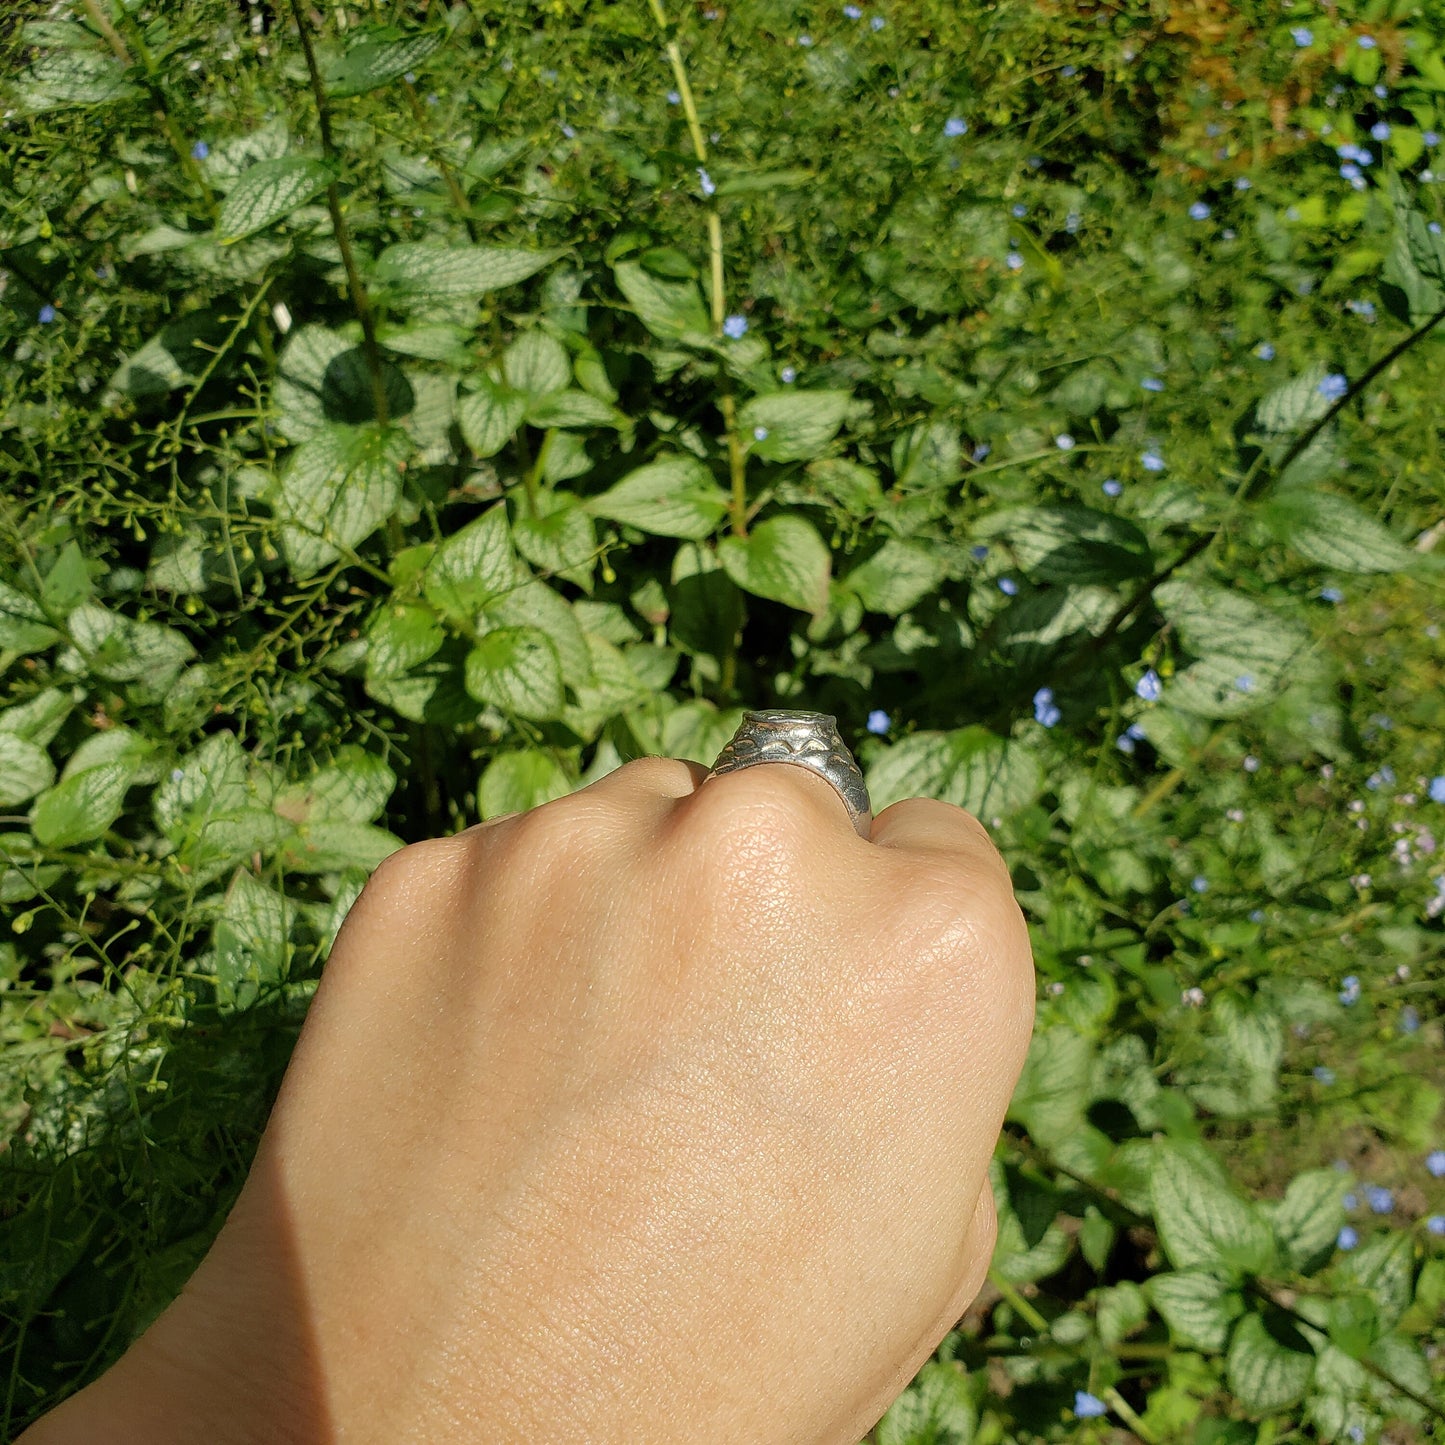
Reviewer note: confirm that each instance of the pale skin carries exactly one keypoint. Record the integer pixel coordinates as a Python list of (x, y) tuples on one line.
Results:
[(661, 1112)]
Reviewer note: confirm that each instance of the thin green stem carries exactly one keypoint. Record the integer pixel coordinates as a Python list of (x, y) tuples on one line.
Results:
[(1021, 1306), (360, 302)]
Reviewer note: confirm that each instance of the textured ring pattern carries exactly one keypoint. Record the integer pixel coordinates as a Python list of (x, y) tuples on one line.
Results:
[(807, 740)]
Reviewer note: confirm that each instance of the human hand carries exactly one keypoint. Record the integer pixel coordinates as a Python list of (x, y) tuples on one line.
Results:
[(661, 1112)]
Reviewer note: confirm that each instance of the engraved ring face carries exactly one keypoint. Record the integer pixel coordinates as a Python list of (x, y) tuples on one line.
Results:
[(806, 740)]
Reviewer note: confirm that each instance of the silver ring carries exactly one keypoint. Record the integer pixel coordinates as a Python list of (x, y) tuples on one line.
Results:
[(807, 740)]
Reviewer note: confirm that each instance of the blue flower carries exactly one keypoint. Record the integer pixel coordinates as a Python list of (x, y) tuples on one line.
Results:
[(1382, 90), (1380, 130), (1033, 162), (1365, 42), (1364, 157), (1242, 183), (1149, 687), (1380, 1200), (1244, 682), (1409, 1020), (1333, 387), (705, 181), (1019, 210), (1111, 487), (805, 41), (955, 125), (1326, 1077), (1331, 594), (877, 23), (788, 374), (1151, 461), (1044, 709), (1348, 1237), (1264, 351), (1361, 308), (46, 314), (1430, 137), (1068, 70), (1087, 1406), (1435, 1163), (979, 551), (1350, 171), (1302, 35), (1437, 789), (878, 722), (852, 12), (1072, 222), (673, 98), (1199, 211), (735, 327), (1199, 883), (1152, 383), (1436, 1224), (1256, 915), (980, 452), (1064, 442), (760, 433), (1349, 1201), (1350, 991), (1008, 586), (1251, 763), (568, 131), (1433, 227), (1015, 261), (1124, 743), (200, 150)]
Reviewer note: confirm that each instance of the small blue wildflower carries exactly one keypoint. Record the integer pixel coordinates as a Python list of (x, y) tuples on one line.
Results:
[(1072, 222), (1045, 711), (1064, 442), (878, 722), (1242, 183), (1409, 1020), (1136, 731), (1430, 137), (1111, 487), (979, 551), (1149, 687), (760, 433), (1331, 594), (568, 131), (852, 12), (1433, 227), (673, 98), (410, 77), (1333, 387), (46, 314), (735, 327), (1199, 211), (788, 375), (1264, 351), (1365, 42), (1437, 789), (1380, 1200), (705, 181), (1436, 1225), (1034, 162), (1019, 210), (1365, 158), (955, 126), (200, 150), (1381, 90), (1015, 261), (1124, 743), (1350, 991), (1250, 763), (1068, 70), (1350, 171), (980, 452), (1326, 1077), (1435, 1163), (1361, 308), (877, 23), (1244, 682), (1087, 1406), (1256, 915), (1151, 461), (1199, 883), (1348, 1237), (1302, 35), (1351, 1200), (1008, 586), (1152, 383), (1380, 130), (805, 41)]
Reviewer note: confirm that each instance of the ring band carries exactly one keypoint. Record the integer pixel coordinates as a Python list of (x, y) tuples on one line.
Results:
[(807, 740)]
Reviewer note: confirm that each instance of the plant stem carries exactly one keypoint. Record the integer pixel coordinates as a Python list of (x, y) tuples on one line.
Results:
[(449, 176), (1126, 1412), (1021, 1306), (360, 302)]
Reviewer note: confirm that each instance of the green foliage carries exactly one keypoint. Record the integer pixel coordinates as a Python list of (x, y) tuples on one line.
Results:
[(1041, 384)]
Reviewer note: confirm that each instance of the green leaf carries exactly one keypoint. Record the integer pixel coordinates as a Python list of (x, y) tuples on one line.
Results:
[(73, 77), (672, 310), (936, 1409), (90, 794), (120, 649), (330, 847), (25, 769), (473, 567), (706, 608), (576, 409), (927, 457), (1293, 406), (561, 541), (174, 357), (896, 576), (24, 627), (1309, 1217), (515, 782), (1203, 1223), (489, 416), (401, 636), (428, 272), (970, 767), (1198, 1308), (516, 669), (354, 787), (797, 424), (269, 192), (674, 496), (1054, 1088), (1266, 1373), (1070, 544), (533, 604), (251, 940), (1384, 1268), (1335, 532), (40, 719), (783, 559), (67, 584), (376, 60), (536, 364), (324, 378), (339, 487)]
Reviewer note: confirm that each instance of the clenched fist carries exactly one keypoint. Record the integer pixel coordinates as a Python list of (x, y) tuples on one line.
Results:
[(659, 1113)]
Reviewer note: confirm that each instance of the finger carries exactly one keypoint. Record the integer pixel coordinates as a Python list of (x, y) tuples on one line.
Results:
[(804, 795), (649, 779), (927, 825)]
